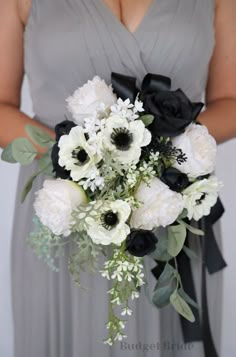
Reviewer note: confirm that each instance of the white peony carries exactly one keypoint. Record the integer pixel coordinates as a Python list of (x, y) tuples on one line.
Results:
[(200, 149), (201, 196), (88, 100), (125, 138), (77, 155), (55, 202), (110, 227), (160, 206)]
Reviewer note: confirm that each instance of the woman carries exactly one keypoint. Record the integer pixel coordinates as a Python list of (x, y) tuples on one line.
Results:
[(60, 44)]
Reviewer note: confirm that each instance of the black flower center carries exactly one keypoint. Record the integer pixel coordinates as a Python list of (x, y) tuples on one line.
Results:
[(80, 155), (122, 138), (199, 201), (110, 220)]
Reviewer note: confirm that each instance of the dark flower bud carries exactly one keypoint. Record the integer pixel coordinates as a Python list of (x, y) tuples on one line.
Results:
[(60, 172), (176, 180), (63, 128), (173, 112), (141, 242)]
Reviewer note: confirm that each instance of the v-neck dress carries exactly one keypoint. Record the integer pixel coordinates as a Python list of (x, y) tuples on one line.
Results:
[(66, 43)]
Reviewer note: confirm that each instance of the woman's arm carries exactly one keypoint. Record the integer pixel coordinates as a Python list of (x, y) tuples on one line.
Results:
[(220, 115), (12, 120)]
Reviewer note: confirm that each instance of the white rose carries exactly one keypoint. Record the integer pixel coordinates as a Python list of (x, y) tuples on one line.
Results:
[(88, 100), (201, 196), (160, 206), (55, 202), (110, 227), (200, 149)]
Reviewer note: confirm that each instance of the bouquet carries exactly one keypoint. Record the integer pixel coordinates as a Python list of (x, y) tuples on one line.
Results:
[(129, 165)]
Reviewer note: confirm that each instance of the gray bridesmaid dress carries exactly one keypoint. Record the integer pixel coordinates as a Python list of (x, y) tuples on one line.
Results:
[(66, 43)]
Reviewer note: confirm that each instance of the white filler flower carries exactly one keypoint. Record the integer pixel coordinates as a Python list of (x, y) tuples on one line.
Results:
[(55, 202), (77, 155), (201, 196), (160, 206), (125, 138), (89, 99), (110, 224), (200, 149)]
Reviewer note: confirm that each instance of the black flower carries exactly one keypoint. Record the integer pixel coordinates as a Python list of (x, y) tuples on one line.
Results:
[(63, 128), (141, 242), (172, 110), (176, 180), (60, 172)]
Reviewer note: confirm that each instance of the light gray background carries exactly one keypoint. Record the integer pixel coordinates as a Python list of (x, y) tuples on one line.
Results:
[(226, 170)]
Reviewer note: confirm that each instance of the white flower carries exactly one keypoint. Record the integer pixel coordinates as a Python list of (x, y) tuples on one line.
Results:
[(125, 138), (126, 110), (93, 182), (126, 311), (55, 202), (160, 206), (201, 196), (77, 155), (200, 149), (88, 100), (110, 225)]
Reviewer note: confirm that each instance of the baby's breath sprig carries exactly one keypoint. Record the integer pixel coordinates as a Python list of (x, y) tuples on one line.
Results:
[(126, 273)]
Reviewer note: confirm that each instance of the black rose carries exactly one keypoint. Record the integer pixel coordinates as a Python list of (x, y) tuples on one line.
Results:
[(176, 180), (172, 111), (60, 172), (141, 242), (63, 128)]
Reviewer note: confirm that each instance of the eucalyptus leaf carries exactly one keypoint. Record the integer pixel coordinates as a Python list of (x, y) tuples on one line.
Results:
[(190, 253), (161, 252), (28, 186), (23, 151), (147, 119), (176, 238), (192, 229), (7, 154), (39, 136), (181, 306), (165, 286), (45, 163), (187, 298)]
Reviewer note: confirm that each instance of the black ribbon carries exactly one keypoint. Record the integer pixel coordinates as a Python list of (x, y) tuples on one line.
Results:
[(125, 86), (213, 262)]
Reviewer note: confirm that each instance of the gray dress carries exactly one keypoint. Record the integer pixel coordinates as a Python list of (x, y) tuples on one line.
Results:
[(67, 42)]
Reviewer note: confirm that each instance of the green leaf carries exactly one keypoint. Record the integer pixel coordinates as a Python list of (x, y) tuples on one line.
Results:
[(147, 119), (23, 151), (165, 287), (161, 252), (192, 229), (7, 154), (187, 298), (181, 306), (28, 186), (45, 163), (176, 238), (39, 136), (190, 253)]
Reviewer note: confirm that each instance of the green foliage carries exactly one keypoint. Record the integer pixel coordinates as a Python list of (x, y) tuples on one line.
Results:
[(147, 119), (46, 245), (192, 229), (7, 154), (176, 238), (181, 306), (39, 136), (23, 151), (165, 287), (84, 257), (28, 186), (161, 252), (187, 298), (190, 253)]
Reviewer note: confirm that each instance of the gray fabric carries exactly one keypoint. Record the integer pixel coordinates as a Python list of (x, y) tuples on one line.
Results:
[(67, 42)]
